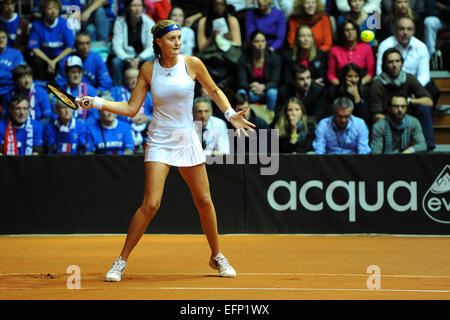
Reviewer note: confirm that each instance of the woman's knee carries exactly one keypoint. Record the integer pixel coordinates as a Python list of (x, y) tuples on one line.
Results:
[(149, 208), (203, 201)]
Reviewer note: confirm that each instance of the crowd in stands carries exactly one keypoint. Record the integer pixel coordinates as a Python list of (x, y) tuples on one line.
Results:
[(334, 76)]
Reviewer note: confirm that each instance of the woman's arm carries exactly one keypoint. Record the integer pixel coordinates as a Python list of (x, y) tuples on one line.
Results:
[(235, 30), (202, 40), (128, 108)]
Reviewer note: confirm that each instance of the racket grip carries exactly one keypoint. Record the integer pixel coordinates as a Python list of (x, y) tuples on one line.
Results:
[(85, 102)]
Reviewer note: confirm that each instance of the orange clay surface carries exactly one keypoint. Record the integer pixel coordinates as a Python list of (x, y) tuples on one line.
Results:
[(269, 267)]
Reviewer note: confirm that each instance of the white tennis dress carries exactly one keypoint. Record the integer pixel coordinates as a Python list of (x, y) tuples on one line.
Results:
[(172, 137)]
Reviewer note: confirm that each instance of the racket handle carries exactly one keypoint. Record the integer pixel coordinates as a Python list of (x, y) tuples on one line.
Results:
[(85, 102)]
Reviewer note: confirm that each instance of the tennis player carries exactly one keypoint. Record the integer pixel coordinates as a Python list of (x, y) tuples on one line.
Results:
[(172, 138)]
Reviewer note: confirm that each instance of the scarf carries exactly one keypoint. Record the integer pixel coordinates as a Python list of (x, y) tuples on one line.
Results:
[(387, 80), (402, 128), (10, 144), (310, 20), (64, 137)]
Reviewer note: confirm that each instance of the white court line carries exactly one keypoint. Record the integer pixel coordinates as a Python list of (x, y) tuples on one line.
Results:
[(275, 274), (242, 289)]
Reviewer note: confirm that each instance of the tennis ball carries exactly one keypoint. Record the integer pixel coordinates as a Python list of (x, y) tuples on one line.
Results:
[(367, 35)]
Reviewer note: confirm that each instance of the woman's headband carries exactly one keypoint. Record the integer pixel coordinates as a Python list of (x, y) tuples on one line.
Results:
[(171, 27)]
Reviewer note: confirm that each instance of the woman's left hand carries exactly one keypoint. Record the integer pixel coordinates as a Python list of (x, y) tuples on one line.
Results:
[(241, 124)]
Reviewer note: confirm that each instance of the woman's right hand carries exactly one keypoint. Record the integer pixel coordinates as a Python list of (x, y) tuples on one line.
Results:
[(85, 102)]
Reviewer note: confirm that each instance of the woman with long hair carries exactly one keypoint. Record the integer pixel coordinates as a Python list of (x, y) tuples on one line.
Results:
[(296, 131), (172, 137)]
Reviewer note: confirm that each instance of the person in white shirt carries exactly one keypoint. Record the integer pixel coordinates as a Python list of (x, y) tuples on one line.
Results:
[(416, 58), (215, 140)]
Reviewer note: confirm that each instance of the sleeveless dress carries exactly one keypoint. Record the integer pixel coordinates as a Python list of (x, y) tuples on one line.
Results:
[(172, 135)]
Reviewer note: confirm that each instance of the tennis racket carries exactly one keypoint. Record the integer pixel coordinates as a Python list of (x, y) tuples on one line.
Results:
[(64, 96)]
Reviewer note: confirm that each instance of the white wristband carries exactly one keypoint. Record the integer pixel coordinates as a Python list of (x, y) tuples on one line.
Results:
[(98, 103), (229, 113)]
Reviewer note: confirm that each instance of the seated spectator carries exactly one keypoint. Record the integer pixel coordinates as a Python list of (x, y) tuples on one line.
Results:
[(19, 134), (9, 59), (132, 42), (296, 131), (95, 71), (305, 53), (109, 136), (370, 6), (350, 49), (214, 134), (65, 135), (342, 132), (17, 27), (216, 26), (158, 10), (188, 41), (259, 72), (98, 17), (287, 6), (399, 9), (438, 19), (311, 13), (414, 52), (312, 94), (50, 40), (193, 10), (270, 21), (66, 5), (39, 103), (397, 132), (78, 88), (351, 87), (360, 16), (393, 78), (141, 120)]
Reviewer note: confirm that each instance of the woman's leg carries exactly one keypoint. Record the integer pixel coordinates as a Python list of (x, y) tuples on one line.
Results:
[(197, 180), (155, 177)]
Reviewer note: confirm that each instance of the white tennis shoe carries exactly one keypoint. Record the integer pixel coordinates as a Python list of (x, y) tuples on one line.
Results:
[(221, 263), (115, 274)]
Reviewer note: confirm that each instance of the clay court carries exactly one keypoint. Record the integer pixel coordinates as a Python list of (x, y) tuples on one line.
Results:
[(270, 267)]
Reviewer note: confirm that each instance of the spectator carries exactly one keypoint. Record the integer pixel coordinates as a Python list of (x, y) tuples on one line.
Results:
[(360, 16), (438, 17), (270, 21), (98, 17), (95, 71), (18, 27), (370, 6), (66, 5), (50, 40), (311, 12), (259, 72), (123, 93), (287, 6), (193, 10), (416, 59), (158, 10), (312, 94), (305, 53), (65, 135), (78, 88), (19, 134), (397, 132), (350, 86), (132, 42), (393, 78), (214, 135), (9, 59), (39, 103), (342, 132), (109, 136), (296, 131), (350, 49), (399, 9), (241, 5), (217, 23), (188, 41)]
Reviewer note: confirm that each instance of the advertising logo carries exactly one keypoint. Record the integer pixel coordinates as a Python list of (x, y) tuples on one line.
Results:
[(436, 202)]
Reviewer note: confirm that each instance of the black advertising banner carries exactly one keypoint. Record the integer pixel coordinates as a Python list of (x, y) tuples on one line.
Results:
[(394, 194)]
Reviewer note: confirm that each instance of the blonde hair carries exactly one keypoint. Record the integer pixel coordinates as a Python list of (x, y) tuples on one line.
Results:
[(299, 7), (155, 30), (296, 48), (283, 124)]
